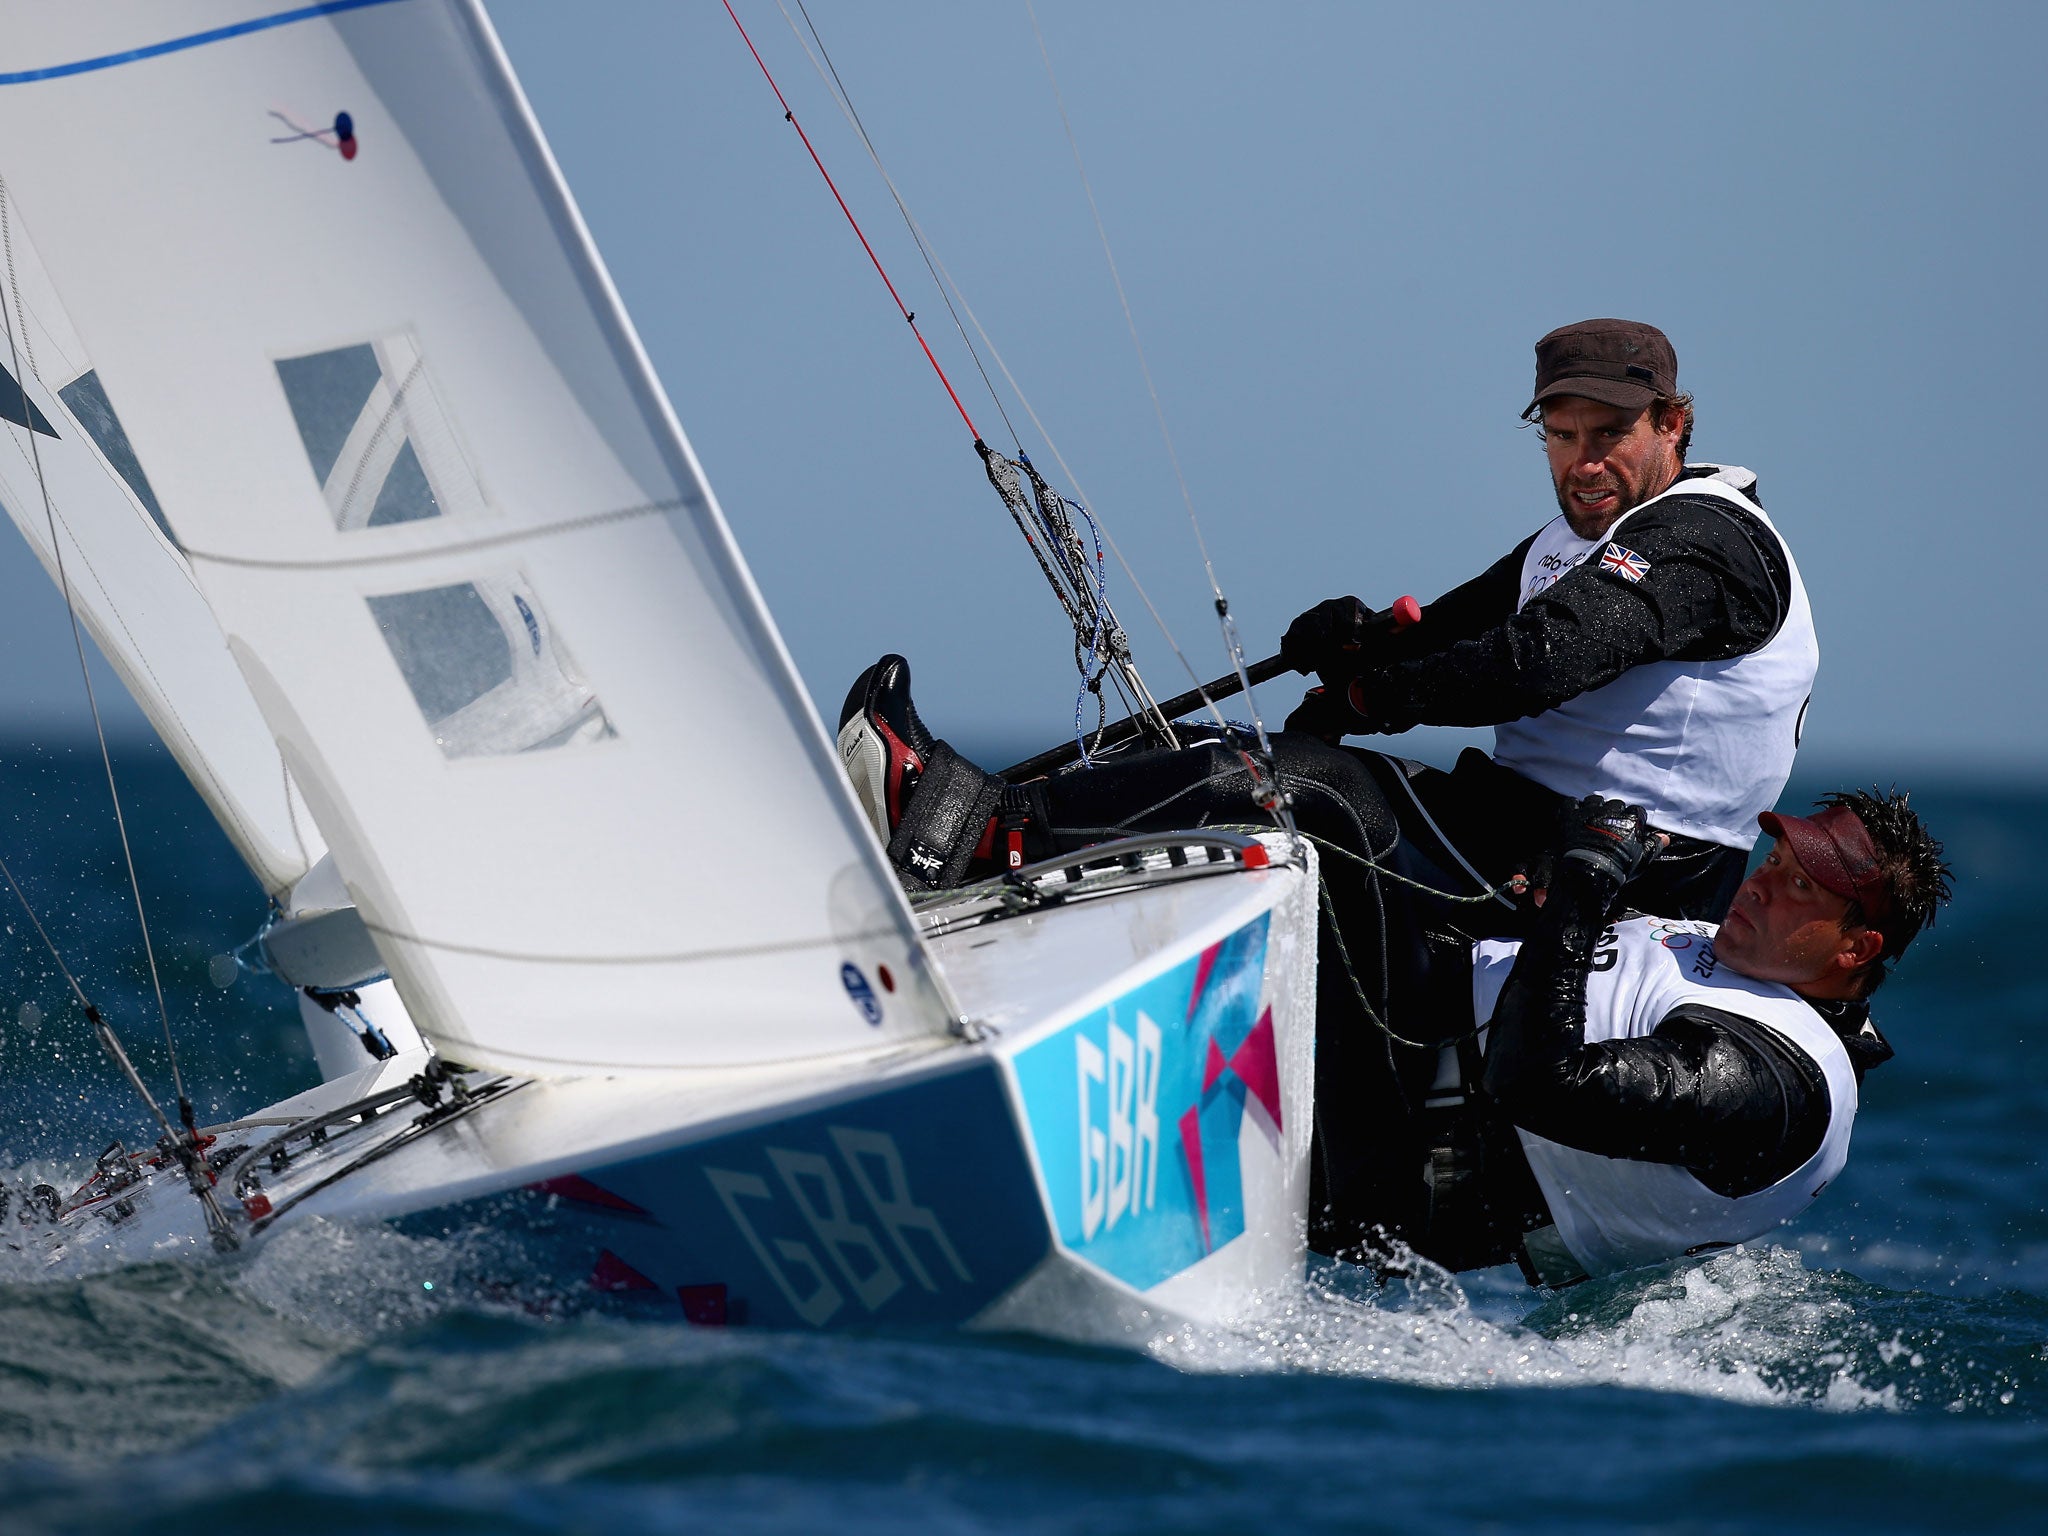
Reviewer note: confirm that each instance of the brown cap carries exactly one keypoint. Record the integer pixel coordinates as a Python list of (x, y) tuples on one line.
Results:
[(1834, 847), (1617, 362)]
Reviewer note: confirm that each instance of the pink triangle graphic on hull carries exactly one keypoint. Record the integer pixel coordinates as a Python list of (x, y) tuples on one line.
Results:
[(612, 1273), (1256, 1062), (1212, 1069), (573, 1186)]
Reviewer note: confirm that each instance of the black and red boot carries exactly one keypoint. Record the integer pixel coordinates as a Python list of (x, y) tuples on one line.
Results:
[(936, 812), (883, 744)]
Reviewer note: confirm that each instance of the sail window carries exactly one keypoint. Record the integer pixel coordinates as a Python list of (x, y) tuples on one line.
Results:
[(86, 399), (486, 668), (15, 406), (377, 436)]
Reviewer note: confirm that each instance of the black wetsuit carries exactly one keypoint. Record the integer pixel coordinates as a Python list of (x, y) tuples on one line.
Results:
[(1714, 1092)]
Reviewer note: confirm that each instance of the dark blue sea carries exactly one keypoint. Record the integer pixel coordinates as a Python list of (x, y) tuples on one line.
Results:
[(1883, 1368)]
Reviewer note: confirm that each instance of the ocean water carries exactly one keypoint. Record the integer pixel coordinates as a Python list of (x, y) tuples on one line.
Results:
[(1884, 1367)]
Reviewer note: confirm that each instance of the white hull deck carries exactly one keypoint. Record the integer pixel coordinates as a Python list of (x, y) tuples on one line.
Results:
[(1118, 1140)]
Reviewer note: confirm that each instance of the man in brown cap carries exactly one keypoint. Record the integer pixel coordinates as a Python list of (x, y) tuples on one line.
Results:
[(1644, 1087), (1652, 643)]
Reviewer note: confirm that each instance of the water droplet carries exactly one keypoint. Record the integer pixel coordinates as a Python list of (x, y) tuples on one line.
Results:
[(222, 971), (29, 1016)]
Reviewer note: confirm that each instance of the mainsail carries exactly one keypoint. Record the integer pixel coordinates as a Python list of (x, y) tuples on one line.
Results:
[(402, 432)]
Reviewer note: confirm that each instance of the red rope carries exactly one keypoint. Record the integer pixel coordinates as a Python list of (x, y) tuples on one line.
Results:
[(789, 116)]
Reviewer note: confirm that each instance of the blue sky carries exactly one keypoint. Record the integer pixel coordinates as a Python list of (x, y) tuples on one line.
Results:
[(1341, 227)]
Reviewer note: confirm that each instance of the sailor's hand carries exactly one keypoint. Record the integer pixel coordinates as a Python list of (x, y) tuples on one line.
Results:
[(1610, 837), (1532, 877), (1328, 639), (1327, 713)]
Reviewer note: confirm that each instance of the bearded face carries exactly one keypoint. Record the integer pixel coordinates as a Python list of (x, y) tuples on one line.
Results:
[(1605, 460)]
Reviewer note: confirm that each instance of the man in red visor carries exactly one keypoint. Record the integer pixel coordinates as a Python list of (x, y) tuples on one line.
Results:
[(1644, 1088)]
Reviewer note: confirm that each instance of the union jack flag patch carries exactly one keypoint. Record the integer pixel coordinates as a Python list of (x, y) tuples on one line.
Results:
[(1625, 563)]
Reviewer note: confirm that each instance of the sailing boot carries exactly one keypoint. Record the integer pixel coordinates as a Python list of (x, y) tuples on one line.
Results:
[(939, 814), (883, 744)]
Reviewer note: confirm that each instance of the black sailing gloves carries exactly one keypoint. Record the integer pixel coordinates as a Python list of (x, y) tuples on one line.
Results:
[(1605, 844), (1337, 640), (1541, 1015), (1328, 640), (1327, 713)]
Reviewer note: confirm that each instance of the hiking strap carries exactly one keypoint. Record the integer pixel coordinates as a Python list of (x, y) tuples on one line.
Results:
[(945, 820)]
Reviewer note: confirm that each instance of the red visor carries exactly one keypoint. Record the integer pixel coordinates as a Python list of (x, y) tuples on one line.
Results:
[(1834, 847)]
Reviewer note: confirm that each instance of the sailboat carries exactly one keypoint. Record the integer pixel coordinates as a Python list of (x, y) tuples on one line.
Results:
[(324, 413)]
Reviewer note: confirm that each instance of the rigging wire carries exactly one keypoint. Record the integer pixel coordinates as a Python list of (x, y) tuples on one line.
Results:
[(1138, 699), (1002, 472), (955, 300), (184, 1147), (14, 348), (93, 1014), (844, 98), (789, 116), (1080, 491), (1229, 625), (953, 295)]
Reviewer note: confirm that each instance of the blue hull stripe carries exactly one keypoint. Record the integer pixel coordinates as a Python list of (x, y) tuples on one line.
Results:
[(178, 44)]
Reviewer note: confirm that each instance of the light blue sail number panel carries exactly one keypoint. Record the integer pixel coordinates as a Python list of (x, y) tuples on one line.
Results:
[(1136, 1111)]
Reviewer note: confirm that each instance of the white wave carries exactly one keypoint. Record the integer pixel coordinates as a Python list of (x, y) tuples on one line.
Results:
[(1749, 1325), (351, 1281)]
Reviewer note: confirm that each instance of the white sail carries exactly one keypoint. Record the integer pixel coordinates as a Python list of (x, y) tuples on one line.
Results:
[(403, 432), (131, 587)]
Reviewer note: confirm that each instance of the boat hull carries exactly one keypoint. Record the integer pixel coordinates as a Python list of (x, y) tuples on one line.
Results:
[(1123, 1148), (1138, 1153), (913, 1204)]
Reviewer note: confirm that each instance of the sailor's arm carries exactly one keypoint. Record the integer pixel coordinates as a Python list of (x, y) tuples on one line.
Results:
[(1467, 611), (1697, 588), (1712, 1091), (1539, 1022), (1709, 1090)]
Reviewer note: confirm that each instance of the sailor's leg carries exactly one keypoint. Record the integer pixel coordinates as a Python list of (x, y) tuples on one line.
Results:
[(945, 820), (937, 838), (1503, 824), (1212, 784)]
